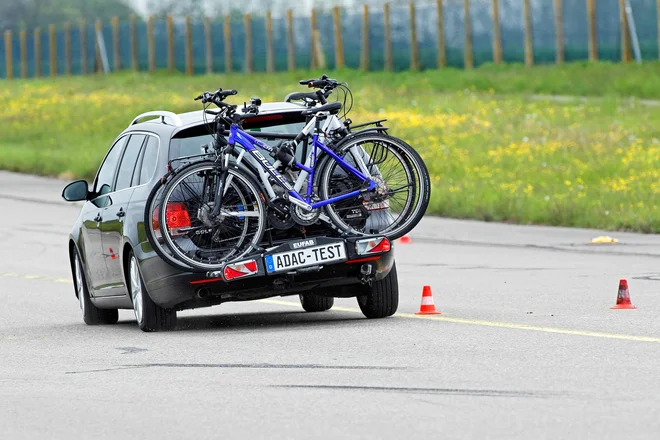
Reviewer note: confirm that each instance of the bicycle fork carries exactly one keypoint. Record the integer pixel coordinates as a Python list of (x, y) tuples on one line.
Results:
[(220, 187)]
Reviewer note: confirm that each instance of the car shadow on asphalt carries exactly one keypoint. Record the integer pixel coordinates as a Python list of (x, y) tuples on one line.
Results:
[(260, 321)]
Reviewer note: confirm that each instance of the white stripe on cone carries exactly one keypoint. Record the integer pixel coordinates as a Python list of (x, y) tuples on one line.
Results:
[(427, 300)]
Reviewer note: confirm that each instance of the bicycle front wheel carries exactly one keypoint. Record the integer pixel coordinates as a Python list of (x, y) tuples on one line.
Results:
[(193, 234), (400, 199)]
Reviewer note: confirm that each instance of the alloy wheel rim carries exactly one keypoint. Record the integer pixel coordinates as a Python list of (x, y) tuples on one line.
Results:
[(79, 286), (136, 290)]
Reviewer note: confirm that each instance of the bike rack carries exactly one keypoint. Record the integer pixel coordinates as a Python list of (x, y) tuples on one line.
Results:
[(177, 122)]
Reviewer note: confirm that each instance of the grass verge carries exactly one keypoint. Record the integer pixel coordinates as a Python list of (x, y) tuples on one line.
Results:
[(494, 152)]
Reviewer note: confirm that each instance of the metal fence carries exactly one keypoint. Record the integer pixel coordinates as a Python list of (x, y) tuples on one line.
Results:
[(398, 37)]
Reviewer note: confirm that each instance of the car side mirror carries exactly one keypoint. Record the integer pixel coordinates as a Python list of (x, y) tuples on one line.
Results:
[(75, 191)]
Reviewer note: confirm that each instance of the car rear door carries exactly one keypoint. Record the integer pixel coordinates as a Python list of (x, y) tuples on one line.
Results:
[(92, 213), (114, 216)]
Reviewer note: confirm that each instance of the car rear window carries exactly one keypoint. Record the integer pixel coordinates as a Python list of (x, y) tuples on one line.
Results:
[(194, 140)]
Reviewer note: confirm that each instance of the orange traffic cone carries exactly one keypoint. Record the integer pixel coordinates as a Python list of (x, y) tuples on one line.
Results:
[(405, 239), (427, 307), (623, 297)]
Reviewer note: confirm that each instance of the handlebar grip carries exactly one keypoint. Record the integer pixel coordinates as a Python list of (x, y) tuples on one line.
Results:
[(230, 92), (319, 83), (304, 82)]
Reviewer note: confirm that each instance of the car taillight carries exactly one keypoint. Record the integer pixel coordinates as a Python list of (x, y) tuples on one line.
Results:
[(240, 269), (372, 246), (177, 216)]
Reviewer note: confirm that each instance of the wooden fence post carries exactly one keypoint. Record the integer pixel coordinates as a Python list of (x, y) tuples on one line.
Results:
[(593, 39), (83, 47), (67, 48), (290, 42), (339, 42), (134, 44), (151, 44), (626, 55), (208, 43), (529, 47), (312, 21), (559, 31), (171, 66), (389, 63), (53, 50), (248, 43), (9, 58), (116, 54), (442, 48), (270, 55), (37, 52), (189, 49), (364, 49), (497, 33), (227, 32), (98, 28), (414, 48), (24, 67), (468, 56)]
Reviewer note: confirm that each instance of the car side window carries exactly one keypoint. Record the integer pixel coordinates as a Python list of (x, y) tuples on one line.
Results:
[(147, 164), (106, 174), (150, 157), (128, 162)]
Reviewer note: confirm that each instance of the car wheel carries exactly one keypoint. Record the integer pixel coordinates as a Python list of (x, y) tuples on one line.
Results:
[(150, 317), (382, 298), (316, 303), (92, 315)]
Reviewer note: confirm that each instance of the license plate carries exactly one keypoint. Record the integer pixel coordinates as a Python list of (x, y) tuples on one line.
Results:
[(311, 256)]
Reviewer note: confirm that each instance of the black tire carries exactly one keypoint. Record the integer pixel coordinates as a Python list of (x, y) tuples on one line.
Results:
[(92, 315), (153, 202), (316, 303), (235, 251), (149, 316), (417, 200), (382, 298)]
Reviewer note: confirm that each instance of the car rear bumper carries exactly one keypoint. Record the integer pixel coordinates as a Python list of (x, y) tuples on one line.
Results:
[(171, 288)]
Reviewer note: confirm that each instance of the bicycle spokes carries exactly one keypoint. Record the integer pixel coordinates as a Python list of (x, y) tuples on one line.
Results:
[(204, 233)]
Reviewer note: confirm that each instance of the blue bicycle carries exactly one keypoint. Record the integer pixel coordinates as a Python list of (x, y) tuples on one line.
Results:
[(216, 211)]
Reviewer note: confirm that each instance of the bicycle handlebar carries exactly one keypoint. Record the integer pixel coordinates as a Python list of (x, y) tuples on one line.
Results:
[(321, 83), (216, 97)]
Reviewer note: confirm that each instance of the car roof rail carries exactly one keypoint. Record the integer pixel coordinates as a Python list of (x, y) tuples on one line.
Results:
[(176, 120)]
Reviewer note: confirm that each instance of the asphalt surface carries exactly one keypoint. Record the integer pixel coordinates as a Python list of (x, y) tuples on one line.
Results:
[(526, 346)]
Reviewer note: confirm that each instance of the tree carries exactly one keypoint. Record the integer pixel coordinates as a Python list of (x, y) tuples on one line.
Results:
[(28, 14)]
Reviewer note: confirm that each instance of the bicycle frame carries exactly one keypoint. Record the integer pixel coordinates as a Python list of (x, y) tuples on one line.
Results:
[(252, 145)]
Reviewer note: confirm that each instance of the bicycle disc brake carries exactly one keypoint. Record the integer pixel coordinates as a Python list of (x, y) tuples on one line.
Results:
[(279, 216)]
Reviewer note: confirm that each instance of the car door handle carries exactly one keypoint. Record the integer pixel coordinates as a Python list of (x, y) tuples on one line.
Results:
[(98, 218), (121, 212)]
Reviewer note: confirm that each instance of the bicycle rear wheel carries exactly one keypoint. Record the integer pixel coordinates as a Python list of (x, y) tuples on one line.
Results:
[(190, 232), (399, 202)]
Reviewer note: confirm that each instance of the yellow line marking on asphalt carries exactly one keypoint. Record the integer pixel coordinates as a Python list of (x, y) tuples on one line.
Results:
[(509, 325), (483, 323), (36, 277)]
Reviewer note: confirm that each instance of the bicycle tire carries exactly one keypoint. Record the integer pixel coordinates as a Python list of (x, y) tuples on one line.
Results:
[(256, 202), (409, 216), (154, 200)]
